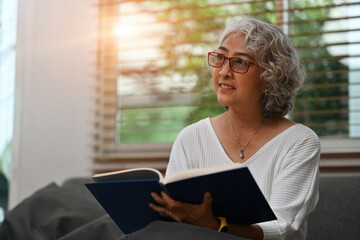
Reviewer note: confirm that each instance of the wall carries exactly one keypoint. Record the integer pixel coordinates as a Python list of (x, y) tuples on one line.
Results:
[(54, 93)]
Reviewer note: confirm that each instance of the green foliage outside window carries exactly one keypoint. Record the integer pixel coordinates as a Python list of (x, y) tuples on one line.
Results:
[(197, 33)]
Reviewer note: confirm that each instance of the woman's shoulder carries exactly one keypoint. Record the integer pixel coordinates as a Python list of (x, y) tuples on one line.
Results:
[(195, 130), (285, 127), (298, 136), (199, 125), (303, 131), (288, 133)]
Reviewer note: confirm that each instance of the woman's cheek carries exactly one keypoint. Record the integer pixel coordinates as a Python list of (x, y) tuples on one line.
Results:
[(215, 77)]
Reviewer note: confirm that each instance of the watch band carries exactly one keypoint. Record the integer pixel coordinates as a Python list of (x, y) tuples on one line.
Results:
[(223, 224)]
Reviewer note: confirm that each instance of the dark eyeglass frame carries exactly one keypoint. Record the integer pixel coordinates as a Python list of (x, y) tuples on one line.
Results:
[(231, 59)]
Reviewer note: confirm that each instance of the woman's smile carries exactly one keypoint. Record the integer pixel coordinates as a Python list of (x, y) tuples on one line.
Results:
[(226, 88)]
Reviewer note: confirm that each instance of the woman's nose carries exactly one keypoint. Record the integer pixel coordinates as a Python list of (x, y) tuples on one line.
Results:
[(225, 69)]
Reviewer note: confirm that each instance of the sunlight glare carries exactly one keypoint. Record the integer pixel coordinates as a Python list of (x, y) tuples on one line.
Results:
[(122, 31)]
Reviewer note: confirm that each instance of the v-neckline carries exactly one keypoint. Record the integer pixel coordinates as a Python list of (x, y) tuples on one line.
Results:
[(268, 143)]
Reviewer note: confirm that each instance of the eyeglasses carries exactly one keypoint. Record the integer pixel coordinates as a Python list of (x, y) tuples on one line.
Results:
[(237, 64)]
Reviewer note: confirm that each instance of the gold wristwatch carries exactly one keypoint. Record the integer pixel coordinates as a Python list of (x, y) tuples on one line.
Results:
[(223, 224)]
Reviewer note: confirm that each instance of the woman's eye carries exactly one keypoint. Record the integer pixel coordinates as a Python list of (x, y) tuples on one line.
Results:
[(240, 61), (220, 57)]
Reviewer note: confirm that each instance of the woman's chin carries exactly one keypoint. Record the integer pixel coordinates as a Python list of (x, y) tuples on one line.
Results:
[(225, 102)]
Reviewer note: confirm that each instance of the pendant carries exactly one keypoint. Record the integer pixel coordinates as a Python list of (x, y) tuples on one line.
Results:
[(242, 153)]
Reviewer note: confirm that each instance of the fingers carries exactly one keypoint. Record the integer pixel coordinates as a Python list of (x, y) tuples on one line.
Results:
[(166, 201), (170, 203), (157, 198), (183, 212), (161, 210), (207, 199)]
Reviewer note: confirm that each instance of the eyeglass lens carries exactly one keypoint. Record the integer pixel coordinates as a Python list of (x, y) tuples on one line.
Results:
[(237, 64)]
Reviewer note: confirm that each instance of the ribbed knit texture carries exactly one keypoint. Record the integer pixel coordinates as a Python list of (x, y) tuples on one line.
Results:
[(285, 168)]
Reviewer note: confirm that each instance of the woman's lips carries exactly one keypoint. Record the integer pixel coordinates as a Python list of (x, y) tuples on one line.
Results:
[(226, 87)]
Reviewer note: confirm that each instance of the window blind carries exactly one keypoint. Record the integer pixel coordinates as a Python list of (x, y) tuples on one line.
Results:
[(153, 80)]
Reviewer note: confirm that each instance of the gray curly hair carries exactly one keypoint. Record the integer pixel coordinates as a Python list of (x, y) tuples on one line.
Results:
[(283, 74)]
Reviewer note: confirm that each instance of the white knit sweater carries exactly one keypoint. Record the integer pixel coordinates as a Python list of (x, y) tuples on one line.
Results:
[(285, 168)]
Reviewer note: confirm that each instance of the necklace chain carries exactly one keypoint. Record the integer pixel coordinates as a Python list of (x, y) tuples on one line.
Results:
[(242, 148)]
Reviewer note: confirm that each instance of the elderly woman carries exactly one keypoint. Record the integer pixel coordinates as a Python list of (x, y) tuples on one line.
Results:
[(255, 75)]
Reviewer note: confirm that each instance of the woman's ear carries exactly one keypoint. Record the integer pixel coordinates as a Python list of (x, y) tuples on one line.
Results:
[(265, 88)]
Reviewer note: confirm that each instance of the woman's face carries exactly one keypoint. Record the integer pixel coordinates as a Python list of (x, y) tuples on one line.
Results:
[(236, 90)]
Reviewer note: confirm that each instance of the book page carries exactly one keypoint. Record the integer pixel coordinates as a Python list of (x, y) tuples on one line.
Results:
[(129, 174), (198, 172)]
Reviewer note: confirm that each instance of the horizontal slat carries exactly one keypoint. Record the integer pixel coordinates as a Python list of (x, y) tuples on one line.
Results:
[(326, 85), (325, 72), (111, 103), (329, 98), (199, 7), (329, 163), (326, 45), (340, 163), (159, 105), (321, 112), (331, 145), (109, 137), (158, 71), (167, 32), (314, 20), (116, 2), (112, 5), (330, 58), (109, 120), (140, 132), (106, 137), (190, 93), (132, 150), (182, 7), (328, 6), (149, 131), (106, 113), (307, 34), (134, 59), (259, 13), (177, 98), (332, 125)]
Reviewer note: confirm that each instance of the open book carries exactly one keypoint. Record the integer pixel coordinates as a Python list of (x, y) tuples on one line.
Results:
[(125, 195)]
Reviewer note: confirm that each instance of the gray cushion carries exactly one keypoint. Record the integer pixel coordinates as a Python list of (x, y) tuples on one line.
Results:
[(337, 215)]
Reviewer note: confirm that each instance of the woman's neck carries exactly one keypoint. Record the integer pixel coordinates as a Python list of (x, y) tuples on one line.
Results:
[(245, 120)]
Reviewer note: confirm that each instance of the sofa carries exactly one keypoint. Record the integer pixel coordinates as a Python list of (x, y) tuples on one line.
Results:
[(69, 212), (337, 215)]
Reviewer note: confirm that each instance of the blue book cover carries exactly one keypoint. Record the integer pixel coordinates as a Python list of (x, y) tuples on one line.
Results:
[(125, 195)]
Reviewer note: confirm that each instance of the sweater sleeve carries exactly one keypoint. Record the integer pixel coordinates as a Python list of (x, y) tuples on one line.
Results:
[(294, 190), (178, 159)]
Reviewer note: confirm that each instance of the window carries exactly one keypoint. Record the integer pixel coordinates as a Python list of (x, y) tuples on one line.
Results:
[(153, 81), (8, 16)]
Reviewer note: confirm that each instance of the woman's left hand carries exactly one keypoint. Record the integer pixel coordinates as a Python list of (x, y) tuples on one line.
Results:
[(197, 214)]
